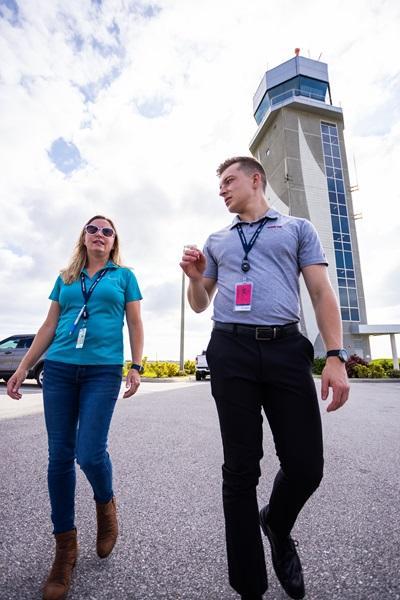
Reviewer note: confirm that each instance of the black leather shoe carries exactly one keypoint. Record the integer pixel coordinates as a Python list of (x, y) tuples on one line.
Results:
[(285, 560), (251, 597)]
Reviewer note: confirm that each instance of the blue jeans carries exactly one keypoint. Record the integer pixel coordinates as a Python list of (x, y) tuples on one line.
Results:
[(78, 405)]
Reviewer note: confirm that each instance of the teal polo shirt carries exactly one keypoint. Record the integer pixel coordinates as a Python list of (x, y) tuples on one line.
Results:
[(106, 307)]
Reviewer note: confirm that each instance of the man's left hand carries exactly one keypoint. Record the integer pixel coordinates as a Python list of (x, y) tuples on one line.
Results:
[(334, 375), (132, 383)]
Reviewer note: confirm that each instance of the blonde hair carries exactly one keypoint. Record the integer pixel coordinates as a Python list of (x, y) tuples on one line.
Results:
[(79, 255)]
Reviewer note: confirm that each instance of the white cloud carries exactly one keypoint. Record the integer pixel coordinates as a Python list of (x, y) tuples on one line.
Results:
[(154, 100)]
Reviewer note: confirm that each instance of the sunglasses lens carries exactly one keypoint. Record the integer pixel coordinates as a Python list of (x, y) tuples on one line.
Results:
[(92, 229)]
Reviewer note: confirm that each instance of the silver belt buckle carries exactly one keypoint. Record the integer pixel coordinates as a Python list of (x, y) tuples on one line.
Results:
[(267, 335)]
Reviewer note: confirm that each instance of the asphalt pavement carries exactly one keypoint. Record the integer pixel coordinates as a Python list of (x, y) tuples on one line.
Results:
[(167, 457)]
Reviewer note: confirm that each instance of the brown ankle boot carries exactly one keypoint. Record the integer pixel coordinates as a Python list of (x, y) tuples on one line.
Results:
[(107, 527), (58, 581)]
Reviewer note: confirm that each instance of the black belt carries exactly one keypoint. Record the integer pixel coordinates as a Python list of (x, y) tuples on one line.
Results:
[(259, 332)]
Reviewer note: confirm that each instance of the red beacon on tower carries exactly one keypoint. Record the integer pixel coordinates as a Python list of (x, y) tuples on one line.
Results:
[(297, 51)]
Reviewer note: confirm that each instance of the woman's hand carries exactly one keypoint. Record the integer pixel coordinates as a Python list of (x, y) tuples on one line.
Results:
[(15, 382), (132, 383)]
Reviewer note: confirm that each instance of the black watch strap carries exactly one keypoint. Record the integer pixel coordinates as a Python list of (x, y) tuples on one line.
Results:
[(341, 353), (137, 367)]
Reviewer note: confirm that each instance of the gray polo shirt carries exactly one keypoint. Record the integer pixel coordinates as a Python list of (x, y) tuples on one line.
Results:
[(285, 245)]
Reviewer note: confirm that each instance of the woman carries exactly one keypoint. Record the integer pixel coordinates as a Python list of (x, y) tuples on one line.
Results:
[(82, 379)]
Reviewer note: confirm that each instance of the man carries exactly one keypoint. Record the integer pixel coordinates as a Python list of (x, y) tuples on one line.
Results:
[(258, 359)]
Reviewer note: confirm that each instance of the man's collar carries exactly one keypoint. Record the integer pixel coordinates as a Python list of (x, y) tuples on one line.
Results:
[(271, 213)]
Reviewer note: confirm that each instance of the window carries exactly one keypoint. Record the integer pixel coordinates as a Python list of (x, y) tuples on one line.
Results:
[(330, 172), (345, 224), (346, 314), (335, 151), (340, 222), (339, 259), (348, 259), (331, 184), (335, 223), (340, 186), (344, 301), (9, 344), (353, 300), (297, 86)]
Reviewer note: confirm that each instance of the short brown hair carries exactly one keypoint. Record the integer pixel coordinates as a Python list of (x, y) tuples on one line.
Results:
[(247, 164)]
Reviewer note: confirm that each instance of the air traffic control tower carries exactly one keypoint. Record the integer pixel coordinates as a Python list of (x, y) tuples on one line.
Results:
[(299, 141)]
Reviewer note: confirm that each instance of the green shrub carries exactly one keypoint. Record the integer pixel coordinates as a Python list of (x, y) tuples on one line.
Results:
[(157, 368), (375, 371), (190, 367), (361, 371), (319, 364), (394, 374), (371, 371), (125, 368), (385, 363), (149, 373), (161, 369), (172, 369)]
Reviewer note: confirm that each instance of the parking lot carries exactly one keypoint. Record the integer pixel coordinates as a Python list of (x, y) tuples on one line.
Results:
[(167, 464)]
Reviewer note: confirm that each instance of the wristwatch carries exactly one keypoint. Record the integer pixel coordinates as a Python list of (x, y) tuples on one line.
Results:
[(137, 368), (341, 354)]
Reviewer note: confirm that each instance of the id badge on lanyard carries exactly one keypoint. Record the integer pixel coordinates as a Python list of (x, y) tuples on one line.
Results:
[(243, 296), (83, 311), (244, 289), (81, 338)]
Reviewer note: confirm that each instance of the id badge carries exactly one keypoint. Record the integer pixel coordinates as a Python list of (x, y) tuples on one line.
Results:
[(81, 338), (243, 296)]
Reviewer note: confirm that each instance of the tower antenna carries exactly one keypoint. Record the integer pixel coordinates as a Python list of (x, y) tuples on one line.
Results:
[(355, 188)]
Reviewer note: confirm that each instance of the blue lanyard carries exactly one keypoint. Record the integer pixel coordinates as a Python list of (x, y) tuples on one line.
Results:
[(86, 296), (89, 292), (247, 245)]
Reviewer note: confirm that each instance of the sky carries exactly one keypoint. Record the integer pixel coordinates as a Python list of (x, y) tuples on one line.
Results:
[(126, 108)]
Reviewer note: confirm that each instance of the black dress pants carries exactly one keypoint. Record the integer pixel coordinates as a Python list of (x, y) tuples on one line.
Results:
[(248, 375)]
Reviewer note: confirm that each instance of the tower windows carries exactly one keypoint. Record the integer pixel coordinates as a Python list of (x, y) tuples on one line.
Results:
[(340, 223)]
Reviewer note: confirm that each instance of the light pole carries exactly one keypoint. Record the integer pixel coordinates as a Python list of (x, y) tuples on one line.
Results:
[(182, 351)]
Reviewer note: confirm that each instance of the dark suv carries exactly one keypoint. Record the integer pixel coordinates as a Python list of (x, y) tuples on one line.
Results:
[(12, 350)]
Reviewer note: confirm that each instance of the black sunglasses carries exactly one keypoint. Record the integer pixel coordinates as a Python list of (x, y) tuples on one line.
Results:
[(106, 231)]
